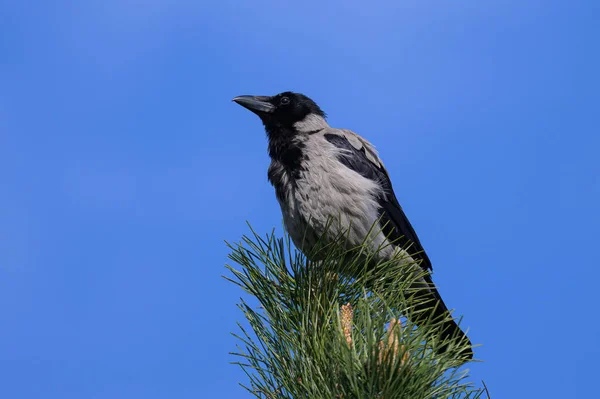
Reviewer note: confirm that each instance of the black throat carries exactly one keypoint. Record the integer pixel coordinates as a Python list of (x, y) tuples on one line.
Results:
[(285, 148), (287, 154)]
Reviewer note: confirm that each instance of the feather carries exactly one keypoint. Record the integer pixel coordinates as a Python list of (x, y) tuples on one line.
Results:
[(359, 155)]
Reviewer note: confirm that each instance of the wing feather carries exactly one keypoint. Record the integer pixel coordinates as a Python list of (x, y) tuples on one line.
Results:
[(360, 156)]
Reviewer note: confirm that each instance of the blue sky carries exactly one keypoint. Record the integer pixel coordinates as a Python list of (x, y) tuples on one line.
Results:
[(124, 165)]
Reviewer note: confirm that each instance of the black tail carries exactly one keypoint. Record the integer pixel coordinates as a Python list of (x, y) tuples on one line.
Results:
[(432, 307)]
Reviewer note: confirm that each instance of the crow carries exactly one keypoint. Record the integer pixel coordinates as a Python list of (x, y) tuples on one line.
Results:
[(321, 173)]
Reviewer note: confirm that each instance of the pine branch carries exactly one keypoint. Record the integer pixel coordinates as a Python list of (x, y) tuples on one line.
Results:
[(334, 329)]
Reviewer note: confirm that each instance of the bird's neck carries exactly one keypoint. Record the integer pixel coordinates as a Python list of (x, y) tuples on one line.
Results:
[(310, 124), (286, 144), (287, 153), (286, 147)]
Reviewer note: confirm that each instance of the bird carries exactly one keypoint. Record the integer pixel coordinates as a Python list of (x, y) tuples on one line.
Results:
[(321, 173)]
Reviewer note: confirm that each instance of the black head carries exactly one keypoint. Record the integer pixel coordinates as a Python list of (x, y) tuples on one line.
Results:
[(281, 110)]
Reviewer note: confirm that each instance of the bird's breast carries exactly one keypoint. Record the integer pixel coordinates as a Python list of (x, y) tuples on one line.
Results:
[(324, 198)]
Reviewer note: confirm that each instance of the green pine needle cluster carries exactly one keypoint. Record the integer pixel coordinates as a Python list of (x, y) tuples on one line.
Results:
[(335, 328)]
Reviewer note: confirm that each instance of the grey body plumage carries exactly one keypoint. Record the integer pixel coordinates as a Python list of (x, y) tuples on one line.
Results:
[(322, 190), (322, 174)]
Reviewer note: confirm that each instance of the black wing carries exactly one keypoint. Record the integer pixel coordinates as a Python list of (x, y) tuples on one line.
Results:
[(396, 225)]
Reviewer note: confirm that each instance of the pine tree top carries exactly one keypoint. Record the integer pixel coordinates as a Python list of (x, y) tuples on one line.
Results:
[(312, 331)]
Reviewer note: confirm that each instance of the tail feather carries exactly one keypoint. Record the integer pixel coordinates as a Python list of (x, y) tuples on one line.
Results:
[(432, 307)]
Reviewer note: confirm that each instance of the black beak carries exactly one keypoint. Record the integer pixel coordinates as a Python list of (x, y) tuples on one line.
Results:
[(256, 104)]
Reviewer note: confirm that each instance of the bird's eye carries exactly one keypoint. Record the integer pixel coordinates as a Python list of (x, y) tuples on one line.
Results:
[(285, 101)]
